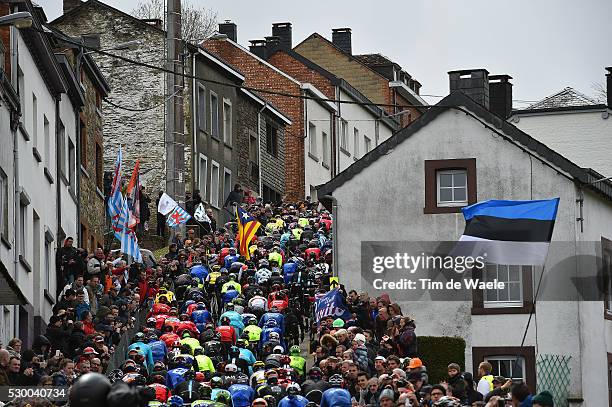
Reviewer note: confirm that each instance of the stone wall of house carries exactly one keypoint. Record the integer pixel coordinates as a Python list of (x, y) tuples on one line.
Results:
[(273, 168), (247, 130)]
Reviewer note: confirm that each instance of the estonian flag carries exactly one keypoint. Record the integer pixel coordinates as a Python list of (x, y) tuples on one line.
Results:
[(510, 232)]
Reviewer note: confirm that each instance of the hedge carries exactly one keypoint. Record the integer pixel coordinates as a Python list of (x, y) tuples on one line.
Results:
[(437, 352)]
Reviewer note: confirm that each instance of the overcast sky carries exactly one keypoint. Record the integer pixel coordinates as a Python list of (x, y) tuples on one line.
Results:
[(544, 45)]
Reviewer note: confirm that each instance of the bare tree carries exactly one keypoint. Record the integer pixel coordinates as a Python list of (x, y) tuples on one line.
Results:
[(198, 22), (600, 93)]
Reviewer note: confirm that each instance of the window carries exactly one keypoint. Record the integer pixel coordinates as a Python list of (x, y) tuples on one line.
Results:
[(47, 141), (83, 145), (367, 144), (214, 115), (344, 135), (312, 139), (214, 185), (452, 187), (324, 143), (606, 254), (61, 146), (227, 184), (271, 140), (71, 165), (512, 293), (270, 194), (21, 84), (254, 156), (356, 143), (508, 366), (99, 167), (203, 168), (515, 362), (36, 244), (47, 265), (34, 121), (201, 108), (23, 228), (515, 298), (449, 185), (227, 122), (4, 205)]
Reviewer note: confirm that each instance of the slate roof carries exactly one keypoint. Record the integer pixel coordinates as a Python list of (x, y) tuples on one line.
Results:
[(374, 59), (568, 97), (496, 124)]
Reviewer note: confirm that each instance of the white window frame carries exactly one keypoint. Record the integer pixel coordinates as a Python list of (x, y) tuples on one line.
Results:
[(214, 112), (71, 164), (344, 135), (312, 139), (494, 360), (367, 144), (201, 113), (356, 142), (4, 205), (34, 120), (504, 303), (214, 195), (23, 229), (203, 178), (454, 202), (325, 147), (227, 134), (47, 266), (47, 142)]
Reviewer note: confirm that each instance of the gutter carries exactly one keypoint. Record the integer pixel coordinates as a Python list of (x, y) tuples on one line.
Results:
[(334, 203), (16, 193)]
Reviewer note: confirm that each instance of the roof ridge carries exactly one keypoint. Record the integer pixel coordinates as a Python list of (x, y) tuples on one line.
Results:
[(566, 97)]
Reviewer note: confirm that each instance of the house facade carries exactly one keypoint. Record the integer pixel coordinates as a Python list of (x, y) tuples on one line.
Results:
[(485, 158), (39, 200), (378, 78), (291, 103), (573, 124)]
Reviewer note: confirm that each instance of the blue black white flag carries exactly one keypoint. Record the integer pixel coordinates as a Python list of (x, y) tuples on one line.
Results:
[(332, 305), (510, 232)]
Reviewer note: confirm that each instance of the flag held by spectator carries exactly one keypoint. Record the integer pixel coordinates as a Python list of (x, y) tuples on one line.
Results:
[(331, 305), (166, 204), (132, 194), (510, 232), (177, 216), (200, 214), (247, 227), (115, 201)]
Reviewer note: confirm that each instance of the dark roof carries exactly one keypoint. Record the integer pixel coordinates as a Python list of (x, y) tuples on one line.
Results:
[(74, 91), (375, 59), (90, 3), (568, 97), (344, 85), (457, 100)]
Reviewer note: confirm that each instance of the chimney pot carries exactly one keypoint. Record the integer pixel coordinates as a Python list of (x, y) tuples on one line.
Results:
[(341, 38), (609, 86), (500, 95), (230, 29), (472, 82), (258, 47), (284, 34)]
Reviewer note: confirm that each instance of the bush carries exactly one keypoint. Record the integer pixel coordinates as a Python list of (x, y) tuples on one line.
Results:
[(437, 352)]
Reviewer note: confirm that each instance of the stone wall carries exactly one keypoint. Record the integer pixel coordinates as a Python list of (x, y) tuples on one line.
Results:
[(273, 168)]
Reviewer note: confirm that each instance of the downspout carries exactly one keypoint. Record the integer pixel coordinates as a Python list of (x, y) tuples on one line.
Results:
[(303, 153), (334, 232), (335, 132), (77, 123), (16, 206), (58, 181), (259, 147)]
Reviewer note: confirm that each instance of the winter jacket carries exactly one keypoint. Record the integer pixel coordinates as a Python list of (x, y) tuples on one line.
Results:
[(361, 358), (457, 384), (336, 397), (407, 342)]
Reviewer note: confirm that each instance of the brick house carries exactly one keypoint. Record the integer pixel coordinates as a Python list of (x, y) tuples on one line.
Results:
[(237, 132), (377, 77), (260, 74), (358, 126)]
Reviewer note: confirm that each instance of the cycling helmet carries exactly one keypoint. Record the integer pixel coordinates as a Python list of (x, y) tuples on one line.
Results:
[(198, 351), (336, 380), (229, 306), (260, 402), (139, 337), (115, 375), (205, 392), (294, 349), (216, 382), (271, 323), (90, 390), (157, 378), (151, 322), (274, 336), (225, 320), (278, 350), (447, 401), (293, 389), (258, 365), (241, 378), (315, 372), (232, 276), (175, 401), (252, 321), (231, 368), (234, 352)]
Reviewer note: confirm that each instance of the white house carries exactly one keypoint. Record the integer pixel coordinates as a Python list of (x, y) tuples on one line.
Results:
[(572, 124), (399, 192), (39, 200)]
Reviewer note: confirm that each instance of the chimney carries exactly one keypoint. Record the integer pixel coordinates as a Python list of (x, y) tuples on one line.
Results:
[(155, 22), (609, 86), (70, 4), (472, 82), (258, 47), (500, 95), (283, 32), (272, 45), (341, 37), (230, 29)]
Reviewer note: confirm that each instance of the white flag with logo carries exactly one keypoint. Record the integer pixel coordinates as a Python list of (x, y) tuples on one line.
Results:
[(166, 204), (200, 214)]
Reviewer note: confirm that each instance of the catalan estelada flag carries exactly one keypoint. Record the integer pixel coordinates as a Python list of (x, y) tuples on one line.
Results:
[(247, 227)]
